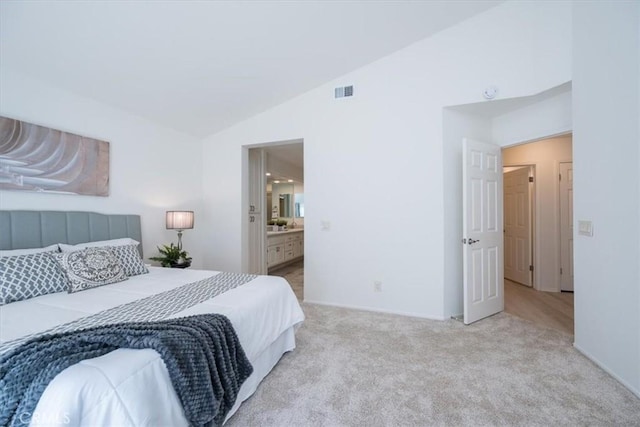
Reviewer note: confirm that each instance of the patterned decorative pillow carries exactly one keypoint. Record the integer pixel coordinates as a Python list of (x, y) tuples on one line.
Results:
[(28, 276), (129, 259), (14, 252), (90, 268)]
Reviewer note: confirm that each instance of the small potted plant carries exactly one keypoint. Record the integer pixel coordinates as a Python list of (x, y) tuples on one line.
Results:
[(172, 256), (272, 225), (282, 224)]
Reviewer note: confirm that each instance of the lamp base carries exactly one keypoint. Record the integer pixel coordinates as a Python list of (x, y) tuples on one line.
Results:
[(180, 239), (186, 264)]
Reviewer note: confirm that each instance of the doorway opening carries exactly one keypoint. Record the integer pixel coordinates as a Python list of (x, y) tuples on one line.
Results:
[(538, 243), (504, 123), (276, 211)]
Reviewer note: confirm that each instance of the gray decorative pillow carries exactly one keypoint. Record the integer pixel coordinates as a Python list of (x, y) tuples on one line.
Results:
[(129, 259), (28, 276), (90, 268)]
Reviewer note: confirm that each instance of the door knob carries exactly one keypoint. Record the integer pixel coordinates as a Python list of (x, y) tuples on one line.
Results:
[(471, 241)]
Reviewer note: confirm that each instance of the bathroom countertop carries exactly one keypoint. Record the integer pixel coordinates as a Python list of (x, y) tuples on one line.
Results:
[(291, 230)]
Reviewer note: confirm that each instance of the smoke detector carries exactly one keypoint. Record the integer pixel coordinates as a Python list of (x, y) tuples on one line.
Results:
[(490, 92)]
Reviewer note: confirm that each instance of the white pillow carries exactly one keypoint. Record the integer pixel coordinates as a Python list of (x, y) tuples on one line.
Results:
[(114, 242), (15, 252)]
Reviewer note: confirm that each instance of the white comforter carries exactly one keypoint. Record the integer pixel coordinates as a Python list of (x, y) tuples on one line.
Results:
[(132, 387)]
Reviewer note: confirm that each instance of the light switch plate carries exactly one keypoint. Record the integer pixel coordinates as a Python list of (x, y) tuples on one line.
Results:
[(325, 225), (585, 228)]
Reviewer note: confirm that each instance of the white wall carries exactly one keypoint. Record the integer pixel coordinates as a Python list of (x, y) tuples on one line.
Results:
[(152, 168), (606, 140), (549, 116), (546, 156), (365, 156)]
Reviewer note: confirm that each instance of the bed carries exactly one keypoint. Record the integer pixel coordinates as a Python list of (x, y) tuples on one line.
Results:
[(132, 387)]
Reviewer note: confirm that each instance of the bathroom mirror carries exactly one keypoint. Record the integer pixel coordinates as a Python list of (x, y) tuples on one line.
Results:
[(284, 205), (298, 205), (282, 200)]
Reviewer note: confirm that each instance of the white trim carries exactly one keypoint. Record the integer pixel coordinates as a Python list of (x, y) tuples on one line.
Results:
[(565, 130), (607, 370), (559, 223), (244, 208), (376, 310)]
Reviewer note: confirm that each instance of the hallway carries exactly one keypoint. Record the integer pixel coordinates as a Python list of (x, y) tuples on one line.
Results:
[(549, 309)]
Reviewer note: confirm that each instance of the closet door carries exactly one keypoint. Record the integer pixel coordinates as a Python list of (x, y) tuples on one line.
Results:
[(256, 222)]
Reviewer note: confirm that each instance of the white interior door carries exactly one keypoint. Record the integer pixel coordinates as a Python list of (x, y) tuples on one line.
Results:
[(483, 229), (256, 222), (566, 226), (518, 264)]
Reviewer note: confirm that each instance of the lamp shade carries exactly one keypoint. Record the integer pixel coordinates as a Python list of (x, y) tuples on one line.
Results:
[(179, 220)]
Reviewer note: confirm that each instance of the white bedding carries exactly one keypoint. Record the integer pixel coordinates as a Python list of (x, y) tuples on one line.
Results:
[(132, 387)]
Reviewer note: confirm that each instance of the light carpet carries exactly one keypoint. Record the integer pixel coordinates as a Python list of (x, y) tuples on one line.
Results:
[(356, 368)]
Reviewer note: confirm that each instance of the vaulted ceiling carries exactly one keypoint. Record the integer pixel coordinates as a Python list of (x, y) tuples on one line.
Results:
[(201, 66)]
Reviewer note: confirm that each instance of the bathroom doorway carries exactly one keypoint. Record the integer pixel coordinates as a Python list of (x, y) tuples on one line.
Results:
[(284, 213)]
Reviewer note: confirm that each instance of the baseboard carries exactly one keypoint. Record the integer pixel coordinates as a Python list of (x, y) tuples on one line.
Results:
[(375, 310), (606, 369)]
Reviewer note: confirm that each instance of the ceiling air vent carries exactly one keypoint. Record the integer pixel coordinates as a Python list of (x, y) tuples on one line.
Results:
[(342, 92)]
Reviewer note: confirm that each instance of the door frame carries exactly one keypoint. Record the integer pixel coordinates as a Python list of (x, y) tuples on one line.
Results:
[(244, 208), (476, 120), (559, 165), (534, 212)]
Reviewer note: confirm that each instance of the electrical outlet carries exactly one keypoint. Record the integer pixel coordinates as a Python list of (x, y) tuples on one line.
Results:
[(377, 286)]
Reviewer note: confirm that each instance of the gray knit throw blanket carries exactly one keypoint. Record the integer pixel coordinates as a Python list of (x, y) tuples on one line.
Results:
[(202, 353)]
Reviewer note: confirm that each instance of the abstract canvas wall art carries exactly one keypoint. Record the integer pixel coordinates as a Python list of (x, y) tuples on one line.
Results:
[(37, 158)]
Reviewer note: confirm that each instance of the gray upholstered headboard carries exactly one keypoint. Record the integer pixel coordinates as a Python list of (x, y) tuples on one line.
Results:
[(36, 229)]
